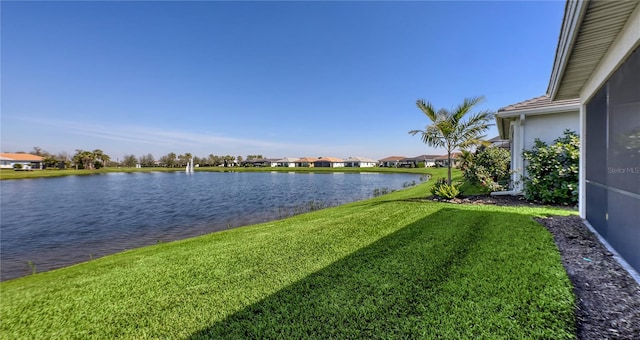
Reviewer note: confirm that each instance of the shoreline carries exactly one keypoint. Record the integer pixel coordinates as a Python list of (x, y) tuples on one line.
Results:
[(10, 174)]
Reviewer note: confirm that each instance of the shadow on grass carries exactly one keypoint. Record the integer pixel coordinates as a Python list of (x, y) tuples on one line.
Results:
[(455, 273), (386, 290)]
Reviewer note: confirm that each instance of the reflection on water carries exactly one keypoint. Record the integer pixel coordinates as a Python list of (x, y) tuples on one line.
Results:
[(55, 222)]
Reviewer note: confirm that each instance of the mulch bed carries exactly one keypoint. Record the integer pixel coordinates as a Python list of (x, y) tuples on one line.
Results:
[(607, 297)]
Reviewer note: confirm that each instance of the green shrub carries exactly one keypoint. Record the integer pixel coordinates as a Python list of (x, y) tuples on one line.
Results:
[(552, 170), (489, 167), (443, 190), (17, 166)]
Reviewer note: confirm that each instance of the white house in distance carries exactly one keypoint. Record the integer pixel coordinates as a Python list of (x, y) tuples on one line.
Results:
[(287, 162), (28, 161), (443, 160), (427, 160), (360, 162), (391, 162), (537, 118), (597, 61), (328, 162)]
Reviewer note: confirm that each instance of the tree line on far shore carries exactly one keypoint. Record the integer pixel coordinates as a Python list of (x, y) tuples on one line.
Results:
[(96, 159)]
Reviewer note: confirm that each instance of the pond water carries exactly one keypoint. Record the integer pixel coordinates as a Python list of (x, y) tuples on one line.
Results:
[(54, 222)]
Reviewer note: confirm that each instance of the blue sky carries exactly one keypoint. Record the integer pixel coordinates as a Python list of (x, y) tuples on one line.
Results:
[(282, 79)]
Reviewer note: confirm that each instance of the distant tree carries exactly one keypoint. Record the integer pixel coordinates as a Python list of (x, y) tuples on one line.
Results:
[(38, 151), (129, 161), (97, 154), (197, 160), (169, 160), (214, 160), (449, 130), (50, 161), (228, 160), (239, 160), (147, 160), (83, 159), (182, 160), (102, 157), (64, 158)]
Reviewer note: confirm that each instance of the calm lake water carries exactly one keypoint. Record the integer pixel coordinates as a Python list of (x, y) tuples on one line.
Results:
[(55, 222)]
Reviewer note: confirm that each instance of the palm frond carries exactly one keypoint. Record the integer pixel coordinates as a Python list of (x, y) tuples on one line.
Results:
[(427, 108), (469, 103)]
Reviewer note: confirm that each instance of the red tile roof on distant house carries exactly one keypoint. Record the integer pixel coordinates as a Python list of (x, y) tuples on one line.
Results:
[(329, 159), (20, 157)]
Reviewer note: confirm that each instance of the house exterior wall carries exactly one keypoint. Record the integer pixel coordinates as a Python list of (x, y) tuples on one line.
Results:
[(359, 164), (26, 165), (549, 127), (390, 164), (525, 129)]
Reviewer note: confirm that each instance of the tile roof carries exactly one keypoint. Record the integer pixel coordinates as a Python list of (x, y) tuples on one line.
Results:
[(306, 160), (537, 103), (420, 158), (288, 159), (329, 159), (360, 159), (20, 157), (392, 158)]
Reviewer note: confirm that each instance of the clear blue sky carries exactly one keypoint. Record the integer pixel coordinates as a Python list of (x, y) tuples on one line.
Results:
[(282, 79)]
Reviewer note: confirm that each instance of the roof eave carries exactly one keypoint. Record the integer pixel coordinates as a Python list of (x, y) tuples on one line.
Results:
[(501, 123), (574, 13), (540, 110)]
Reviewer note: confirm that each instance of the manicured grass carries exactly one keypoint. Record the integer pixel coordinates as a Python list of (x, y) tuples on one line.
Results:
[(389, 267)]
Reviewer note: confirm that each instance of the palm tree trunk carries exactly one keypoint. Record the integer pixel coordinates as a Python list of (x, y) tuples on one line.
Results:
[(449, 166)]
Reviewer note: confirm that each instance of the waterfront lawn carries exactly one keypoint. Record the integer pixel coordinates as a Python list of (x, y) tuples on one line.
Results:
[(388, 267)]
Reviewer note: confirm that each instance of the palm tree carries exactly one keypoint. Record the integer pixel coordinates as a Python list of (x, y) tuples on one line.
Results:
[(171, 159), (449, 130), (101, 156)]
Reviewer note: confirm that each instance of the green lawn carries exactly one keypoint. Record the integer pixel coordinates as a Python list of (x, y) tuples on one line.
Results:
[(389, 267)]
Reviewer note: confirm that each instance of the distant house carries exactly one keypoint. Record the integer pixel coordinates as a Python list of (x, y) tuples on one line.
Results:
[(444, 160), (287, 162), (328, 162), (261, 162), (359, 162), (305, 162), (391, 162), (26, 161), (427, 160), (538, 118), (499, 142)]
